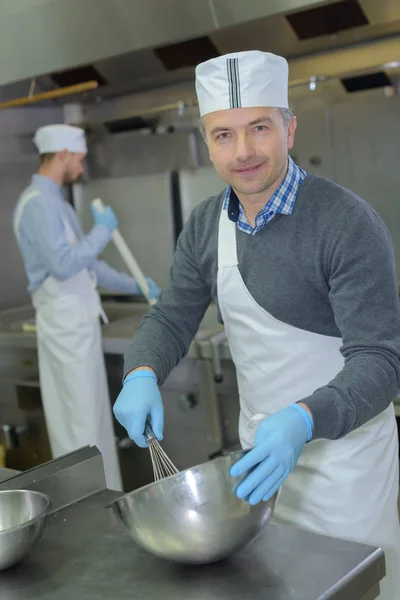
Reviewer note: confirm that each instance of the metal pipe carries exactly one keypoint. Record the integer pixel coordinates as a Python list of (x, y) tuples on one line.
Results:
[(58, 93), (292, 84)]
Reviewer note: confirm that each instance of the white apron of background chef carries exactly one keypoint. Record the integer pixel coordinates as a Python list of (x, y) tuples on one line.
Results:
[(346, 488), (71, 364)]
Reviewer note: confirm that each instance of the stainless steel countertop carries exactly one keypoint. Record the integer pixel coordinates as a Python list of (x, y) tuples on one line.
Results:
[(85, 553), (7, 474), (124, 318)]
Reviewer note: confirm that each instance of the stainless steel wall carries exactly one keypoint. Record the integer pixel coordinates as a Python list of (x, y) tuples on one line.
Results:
[(143, 206), (196, 185), (357, 144), (15, 173), (132, 172), (366, 143), (128, 154)]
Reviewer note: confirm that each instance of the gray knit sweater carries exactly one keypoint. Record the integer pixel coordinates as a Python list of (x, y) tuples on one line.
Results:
[(328, 268)]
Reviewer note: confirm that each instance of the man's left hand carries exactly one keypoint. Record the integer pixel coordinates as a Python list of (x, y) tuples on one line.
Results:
[(279, 441)]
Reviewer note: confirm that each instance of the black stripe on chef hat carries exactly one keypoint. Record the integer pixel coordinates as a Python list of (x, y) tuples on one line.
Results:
[(232, 65)]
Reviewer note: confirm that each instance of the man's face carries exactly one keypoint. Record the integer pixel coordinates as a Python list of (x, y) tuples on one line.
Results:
[(74, 166), (249, 146)]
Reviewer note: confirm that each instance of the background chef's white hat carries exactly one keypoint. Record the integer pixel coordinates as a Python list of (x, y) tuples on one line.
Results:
[(55, 138), (241, 80)]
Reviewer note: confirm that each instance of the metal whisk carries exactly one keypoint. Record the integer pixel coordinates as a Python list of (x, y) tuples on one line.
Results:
[(162, 464)]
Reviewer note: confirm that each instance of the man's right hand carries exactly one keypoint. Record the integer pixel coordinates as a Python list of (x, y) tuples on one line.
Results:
[(139, 399)]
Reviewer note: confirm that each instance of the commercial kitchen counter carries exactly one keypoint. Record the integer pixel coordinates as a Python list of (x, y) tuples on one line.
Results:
[(190, 394), (7, 473), (86, 554), (17, 328), (124, 318)]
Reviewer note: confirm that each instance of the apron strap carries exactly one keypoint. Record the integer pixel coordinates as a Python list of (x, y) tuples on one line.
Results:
[(18, 214), (227, 252), (91, 275)]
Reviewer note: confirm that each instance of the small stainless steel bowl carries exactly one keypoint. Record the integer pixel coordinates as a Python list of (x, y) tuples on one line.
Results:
[(23, 516), (193, 517)]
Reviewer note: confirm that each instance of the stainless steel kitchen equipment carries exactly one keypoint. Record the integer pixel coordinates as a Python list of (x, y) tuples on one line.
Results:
[(194, 517), (135, 201), (84, 553), (127, 256), (191, 411), (7, 473), (23, 515), (162, 464)]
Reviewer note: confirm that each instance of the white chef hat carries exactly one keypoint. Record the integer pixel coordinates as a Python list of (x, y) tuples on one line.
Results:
[(55, 138), (242, 80)]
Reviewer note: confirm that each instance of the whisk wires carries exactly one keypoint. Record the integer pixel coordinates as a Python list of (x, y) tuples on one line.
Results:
[(162, 464)]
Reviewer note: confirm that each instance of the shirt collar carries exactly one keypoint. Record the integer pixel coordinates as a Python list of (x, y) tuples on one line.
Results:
[(282, 201), (46, 184)]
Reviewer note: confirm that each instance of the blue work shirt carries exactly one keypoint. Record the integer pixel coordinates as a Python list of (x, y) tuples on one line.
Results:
[(44, 245), (281, 202)]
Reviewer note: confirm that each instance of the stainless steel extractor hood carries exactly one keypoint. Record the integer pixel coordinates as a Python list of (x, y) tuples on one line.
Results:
[(46, 36)]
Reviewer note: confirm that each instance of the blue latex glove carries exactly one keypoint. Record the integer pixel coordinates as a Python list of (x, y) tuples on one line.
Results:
[(154, 290), (279, 441), (138, 399), (106, 217)]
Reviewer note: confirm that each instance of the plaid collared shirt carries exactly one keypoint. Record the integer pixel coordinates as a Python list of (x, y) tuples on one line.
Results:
[(282, 201)]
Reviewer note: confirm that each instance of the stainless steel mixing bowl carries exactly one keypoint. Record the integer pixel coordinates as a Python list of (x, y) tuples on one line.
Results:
[(23, 516), (193, 517)]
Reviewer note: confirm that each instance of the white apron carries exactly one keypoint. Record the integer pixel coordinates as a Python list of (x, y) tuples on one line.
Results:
[(72, 372), (346, 488)]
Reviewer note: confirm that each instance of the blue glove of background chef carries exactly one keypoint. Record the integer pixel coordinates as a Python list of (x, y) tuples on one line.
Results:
[(106, 217), (138, 399), (154, 290), (279, 440)]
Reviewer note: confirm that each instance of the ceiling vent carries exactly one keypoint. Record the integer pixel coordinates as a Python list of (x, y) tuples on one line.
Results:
[(327, 20), (366, 82), (186, 54), (79, 75), (130, 124)]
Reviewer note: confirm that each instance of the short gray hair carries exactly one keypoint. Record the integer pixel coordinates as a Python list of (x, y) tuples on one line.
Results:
[(286, 114), (202, 128)]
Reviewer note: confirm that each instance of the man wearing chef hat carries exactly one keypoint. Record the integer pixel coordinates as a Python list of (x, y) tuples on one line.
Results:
[(62, 269), (303, 274)]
